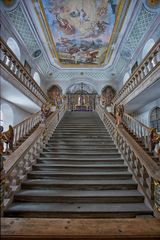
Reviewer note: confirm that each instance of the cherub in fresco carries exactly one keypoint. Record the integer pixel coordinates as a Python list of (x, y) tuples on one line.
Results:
[(97, 28), (65, 25), (81, 14)]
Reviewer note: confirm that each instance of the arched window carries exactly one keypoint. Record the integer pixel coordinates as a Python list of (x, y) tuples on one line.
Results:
[(147, 47), (155, 118), (37, 78), (12, 44)]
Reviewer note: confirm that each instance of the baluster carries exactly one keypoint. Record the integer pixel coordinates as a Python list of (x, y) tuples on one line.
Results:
[(5, 59), (18, 129), (14, 67), (15, 133), (8, 188), (155, 57), (150, 188), (144, 175), (21, 75), (146, 68), (142, 72), (150, 64), (18, 71)]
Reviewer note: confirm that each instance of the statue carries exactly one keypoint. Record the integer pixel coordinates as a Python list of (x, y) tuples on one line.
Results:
[(155, 141), (45, 112), (6, 137), (118, 112)]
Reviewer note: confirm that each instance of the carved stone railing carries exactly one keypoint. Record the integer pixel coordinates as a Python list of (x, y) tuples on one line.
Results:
[(145, 69), (141, 131), (9, 61), (145, 171), (24, 128), (20, 162)]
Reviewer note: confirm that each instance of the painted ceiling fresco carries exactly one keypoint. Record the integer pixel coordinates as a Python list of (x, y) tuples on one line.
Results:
[(81, 29)]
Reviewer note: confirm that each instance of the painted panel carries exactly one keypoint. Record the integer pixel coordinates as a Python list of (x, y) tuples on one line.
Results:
[(81, 29)]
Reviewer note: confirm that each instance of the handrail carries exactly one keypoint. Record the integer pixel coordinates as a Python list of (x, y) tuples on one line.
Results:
[(149, 63), (20, 162), (12, 63), (140, 130), (144, 168)]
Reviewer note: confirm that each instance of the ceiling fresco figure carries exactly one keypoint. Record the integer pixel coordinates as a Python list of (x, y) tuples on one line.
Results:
[(81, 29)]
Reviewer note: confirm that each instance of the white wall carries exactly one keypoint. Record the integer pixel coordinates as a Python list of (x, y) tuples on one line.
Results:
[(10, 114), (143, 114)]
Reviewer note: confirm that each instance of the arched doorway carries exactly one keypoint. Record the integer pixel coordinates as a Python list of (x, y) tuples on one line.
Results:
[(81, 97)]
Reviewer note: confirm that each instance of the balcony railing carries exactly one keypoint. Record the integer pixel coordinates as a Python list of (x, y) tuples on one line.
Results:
[(14, 66), (145, 170), (148, 65)]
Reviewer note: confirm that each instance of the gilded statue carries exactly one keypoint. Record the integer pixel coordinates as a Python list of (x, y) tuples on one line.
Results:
[(6, 137), (119, 111), (155, 141)]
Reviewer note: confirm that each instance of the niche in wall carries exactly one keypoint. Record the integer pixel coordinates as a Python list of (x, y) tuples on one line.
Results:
[(107, 95)]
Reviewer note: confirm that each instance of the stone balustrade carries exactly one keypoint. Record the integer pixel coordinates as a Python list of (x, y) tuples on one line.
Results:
[(24, 128), (148, 65), (14, 66), (20, 162), (145, 171), (141, 131)]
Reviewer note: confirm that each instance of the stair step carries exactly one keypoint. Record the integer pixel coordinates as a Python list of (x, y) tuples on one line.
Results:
[(79, 184), (77, 210), (80, 144), (77, 146), (87, 196), (82, 155), (84, 168), (79, 161), (79, 175), (80, 150), (80, 137)]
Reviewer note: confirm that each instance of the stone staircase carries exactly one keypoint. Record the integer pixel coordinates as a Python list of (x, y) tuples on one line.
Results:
[(79, 174)]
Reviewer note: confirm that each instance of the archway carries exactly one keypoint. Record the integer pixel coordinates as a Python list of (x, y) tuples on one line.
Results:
[(12, 44), (81, 97)]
